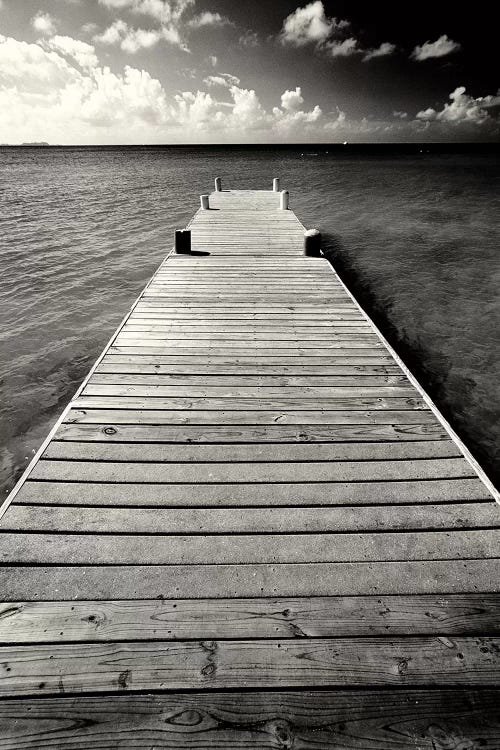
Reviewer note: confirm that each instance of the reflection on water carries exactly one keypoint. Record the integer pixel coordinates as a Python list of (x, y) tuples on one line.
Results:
[(82, 230)]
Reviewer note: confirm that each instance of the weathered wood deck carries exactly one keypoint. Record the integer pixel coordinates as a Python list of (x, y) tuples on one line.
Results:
[(250, 528)]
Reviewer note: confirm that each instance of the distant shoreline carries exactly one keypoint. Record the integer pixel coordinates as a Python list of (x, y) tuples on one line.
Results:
[(306, 149)]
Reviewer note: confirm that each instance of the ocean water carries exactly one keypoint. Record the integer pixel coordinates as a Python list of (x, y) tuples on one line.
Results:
[(415, 236)]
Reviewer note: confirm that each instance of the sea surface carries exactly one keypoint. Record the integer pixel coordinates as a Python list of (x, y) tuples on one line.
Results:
[(413, 232)]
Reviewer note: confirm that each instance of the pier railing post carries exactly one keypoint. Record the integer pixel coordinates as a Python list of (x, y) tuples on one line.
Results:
[(218, 184), (312, 243), (284, 200), (276, 185), (183, 241), (205, 203)]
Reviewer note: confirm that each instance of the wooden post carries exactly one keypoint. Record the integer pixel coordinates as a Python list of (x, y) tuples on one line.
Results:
[(183, 241), (218, 184), (312, 243), (284, 200), (276, 184), (205, 204)]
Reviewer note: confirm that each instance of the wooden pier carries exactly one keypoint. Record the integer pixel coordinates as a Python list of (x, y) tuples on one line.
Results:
[(250, 528)]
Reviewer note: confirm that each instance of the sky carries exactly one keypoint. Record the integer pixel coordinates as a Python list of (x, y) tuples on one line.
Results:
[(215, 71)]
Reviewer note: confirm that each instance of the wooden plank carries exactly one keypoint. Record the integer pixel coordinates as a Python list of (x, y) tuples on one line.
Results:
[(54, 582), (243, 472), (80, 451), (251, 520), (238, 549), (253, 362), (244, 314), (274, 330), (109, 397), (314, 617), (276, 354), (320, 384), (236, 353), (252, 392), (326, 292), (205, 310), (250, 495), (282, 416), (309, 348), (344, 325), (226, 434), (178, 313), (340, 662), (247, 276), (272, 300), (362, 336), (335, 720), (300, 372), (259, 283)]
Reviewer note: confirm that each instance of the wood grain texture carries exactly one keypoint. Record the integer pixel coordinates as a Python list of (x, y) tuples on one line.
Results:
[(313, 617), (210, 664), (319, 720), (150, 398), (291, 374), (111, 431), (249, 416)]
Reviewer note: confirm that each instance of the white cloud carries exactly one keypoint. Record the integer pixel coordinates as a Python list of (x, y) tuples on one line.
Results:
[(400, 114), (346, 48), (171, 35), (113, 34), (291, 117), (132, 40), (57, 91), (463, 110), (337, 122), (213, 60), (440, 48), (30, 69), (165, 11), (248, 113), (137, 39), (195, 111), (291, 100), (44, 23), (287, 122), (223, 79), (309, 24), (207, 18), (385, 49), (83, 53), (200, 113), (44, 96), (118, 4)]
